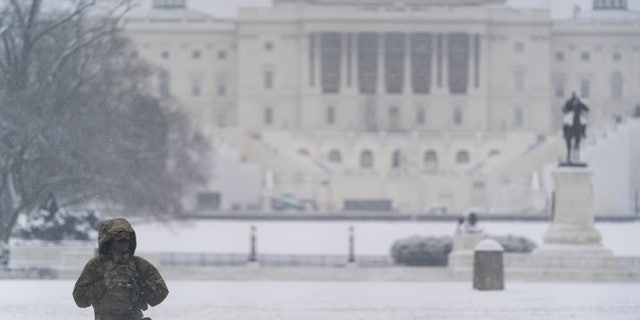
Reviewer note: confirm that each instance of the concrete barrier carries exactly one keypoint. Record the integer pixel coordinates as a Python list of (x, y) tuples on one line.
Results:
[(488, 266)]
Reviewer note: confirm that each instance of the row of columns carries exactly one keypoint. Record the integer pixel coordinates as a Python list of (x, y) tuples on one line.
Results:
[(349, 71)]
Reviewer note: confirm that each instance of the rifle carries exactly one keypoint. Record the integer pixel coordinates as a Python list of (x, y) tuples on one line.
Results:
[(144, 288)]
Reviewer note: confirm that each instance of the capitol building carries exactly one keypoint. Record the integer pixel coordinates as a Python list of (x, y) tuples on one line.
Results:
[(404, 105)]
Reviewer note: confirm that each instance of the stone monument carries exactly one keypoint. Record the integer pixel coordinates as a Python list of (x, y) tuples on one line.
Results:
[(466, 238), (572, 230)]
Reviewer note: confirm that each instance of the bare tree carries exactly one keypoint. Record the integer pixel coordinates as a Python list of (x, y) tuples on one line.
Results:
[(76, 118)]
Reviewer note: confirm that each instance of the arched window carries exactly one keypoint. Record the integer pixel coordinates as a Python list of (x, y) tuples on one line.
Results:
[(430, 160), (616, 85), (396, 159), (462, 157), (335, 156), (366, 159)]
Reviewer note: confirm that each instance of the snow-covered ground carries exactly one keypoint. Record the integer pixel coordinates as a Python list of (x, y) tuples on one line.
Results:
[(324, 237), (51, 300)]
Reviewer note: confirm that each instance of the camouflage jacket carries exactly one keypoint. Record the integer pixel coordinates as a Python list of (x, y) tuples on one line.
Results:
[(112, 283)]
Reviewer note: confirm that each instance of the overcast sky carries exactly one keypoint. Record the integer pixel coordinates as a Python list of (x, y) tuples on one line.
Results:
[(559, 8)]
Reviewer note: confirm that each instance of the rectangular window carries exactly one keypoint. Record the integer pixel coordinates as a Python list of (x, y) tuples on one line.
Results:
[(268, 79), (519, 47), (617, 56), (585, 56), (222, 89), (457, 116), (195, 87), (421, 117), (518, 81), (331, 115), (558, 88), (517, 118), (268, 116), (559, 56), (165, 84), (585, 88)]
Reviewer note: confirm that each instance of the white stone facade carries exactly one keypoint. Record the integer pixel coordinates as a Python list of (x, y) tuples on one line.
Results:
[(427, 103)]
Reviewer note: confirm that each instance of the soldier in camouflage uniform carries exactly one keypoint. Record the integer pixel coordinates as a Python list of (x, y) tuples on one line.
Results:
[(116, 283)]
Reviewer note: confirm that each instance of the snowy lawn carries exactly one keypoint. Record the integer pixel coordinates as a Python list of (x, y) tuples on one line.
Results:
[(51, 300)]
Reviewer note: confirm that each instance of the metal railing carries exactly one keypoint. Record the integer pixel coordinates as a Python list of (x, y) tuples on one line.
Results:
[(271, 260)]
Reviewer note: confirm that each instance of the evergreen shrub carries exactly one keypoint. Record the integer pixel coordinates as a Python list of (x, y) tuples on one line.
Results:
[(434, 251), (422, 251)]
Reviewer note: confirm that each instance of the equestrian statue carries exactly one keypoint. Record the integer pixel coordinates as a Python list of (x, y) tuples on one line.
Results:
[(574, 127)]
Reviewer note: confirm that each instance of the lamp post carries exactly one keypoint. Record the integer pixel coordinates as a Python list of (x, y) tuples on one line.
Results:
[(252, 254), (352, 256)]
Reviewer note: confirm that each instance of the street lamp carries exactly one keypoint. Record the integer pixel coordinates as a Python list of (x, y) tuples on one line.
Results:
[(352, 256), (252, 235)]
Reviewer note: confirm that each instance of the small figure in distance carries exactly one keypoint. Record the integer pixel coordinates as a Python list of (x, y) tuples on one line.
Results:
[(460, 227), (472, 224)]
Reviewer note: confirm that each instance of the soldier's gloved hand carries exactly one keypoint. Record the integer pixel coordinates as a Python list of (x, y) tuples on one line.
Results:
[(148, 289)]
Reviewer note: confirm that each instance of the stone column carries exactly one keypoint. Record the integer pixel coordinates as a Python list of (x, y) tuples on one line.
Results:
[(470, 72), (445, 63), (436, 51), (317, 63), (572, 231), (354, 62), (344, 63), (311, 57), (380, 88), (408, 72)]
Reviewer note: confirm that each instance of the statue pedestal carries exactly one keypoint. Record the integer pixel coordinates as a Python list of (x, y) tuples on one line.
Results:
[(572, 232), (461, 257)]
